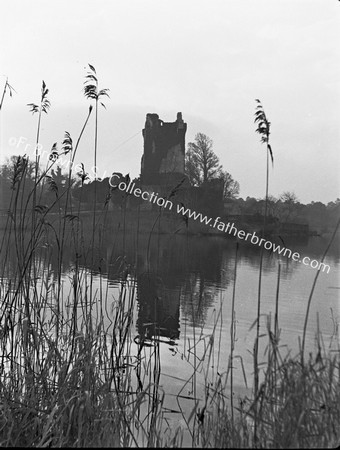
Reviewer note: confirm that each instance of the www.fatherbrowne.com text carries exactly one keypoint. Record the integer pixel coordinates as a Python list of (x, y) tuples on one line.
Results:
[(228, 228)]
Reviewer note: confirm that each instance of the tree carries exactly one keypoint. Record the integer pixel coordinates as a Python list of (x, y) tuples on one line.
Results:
[(289, 205), (201, 165), (288, 197), (55, 188), (231, 188)]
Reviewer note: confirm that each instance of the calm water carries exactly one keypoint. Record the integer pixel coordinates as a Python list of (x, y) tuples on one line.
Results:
[(184, 287), (184, 295)]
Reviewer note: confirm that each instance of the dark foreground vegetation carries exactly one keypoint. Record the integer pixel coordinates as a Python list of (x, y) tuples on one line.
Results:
[(73, 374)]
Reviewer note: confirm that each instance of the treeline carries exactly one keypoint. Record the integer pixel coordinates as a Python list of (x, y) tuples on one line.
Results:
[(19, 183), (287, 209), (51, 192)]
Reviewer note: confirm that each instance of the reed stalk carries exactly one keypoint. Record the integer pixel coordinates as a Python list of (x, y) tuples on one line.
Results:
[(232, 338)]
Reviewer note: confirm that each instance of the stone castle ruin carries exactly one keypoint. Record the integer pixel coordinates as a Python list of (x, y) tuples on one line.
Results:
[(163, 170), (163, 166), (164, 151)]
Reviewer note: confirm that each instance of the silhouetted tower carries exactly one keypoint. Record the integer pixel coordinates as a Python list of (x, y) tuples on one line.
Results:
[(164, 151)]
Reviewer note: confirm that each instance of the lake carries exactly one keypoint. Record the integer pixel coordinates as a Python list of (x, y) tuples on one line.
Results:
[(182, 288), (184, 285)]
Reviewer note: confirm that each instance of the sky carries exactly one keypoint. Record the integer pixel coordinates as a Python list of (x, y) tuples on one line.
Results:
[(208, 60)]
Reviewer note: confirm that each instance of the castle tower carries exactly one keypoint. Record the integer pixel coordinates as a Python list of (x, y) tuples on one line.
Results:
[(164, 151)]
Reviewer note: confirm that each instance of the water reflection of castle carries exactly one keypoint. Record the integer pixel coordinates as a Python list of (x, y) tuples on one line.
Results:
[(175, 275), (158, 312)]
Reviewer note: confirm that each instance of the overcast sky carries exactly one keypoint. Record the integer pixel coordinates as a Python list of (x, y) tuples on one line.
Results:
[(207, 59)]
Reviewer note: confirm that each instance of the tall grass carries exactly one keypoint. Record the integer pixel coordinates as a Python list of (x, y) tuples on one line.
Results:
[(300, 410), (74, 373)]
